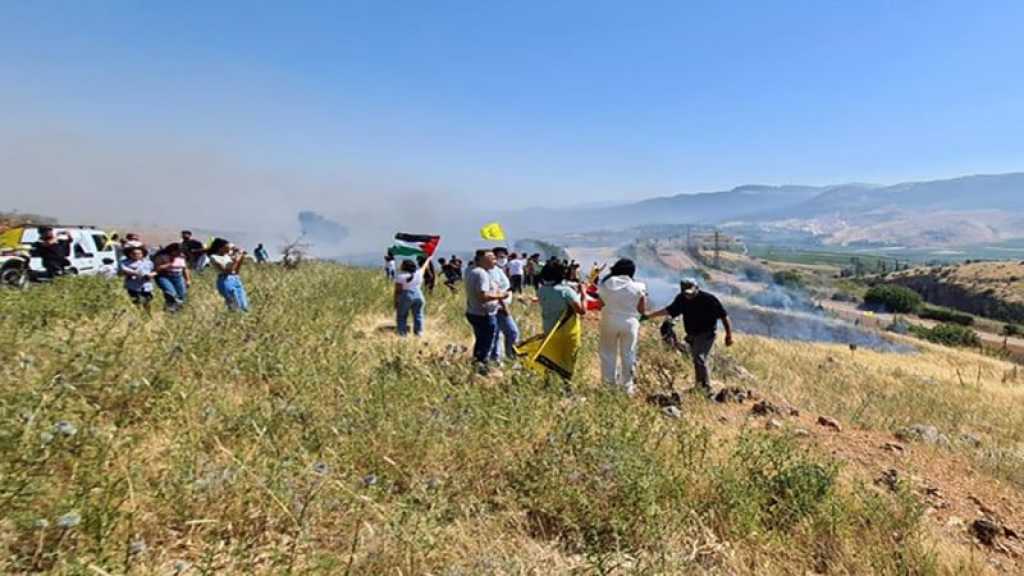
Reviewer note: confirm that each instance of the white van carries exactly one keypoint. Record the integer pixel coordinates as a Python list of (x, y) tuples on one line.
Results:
[(91, 250)]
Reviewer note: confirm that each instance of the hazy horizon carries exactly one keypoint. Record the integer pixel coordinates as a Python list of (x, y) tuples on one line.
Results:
[(393, 116)]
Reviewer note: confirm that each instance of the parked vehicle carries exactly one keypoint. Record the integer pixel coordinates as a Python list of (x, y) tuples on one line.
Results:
[(90, 251), (14, 268)]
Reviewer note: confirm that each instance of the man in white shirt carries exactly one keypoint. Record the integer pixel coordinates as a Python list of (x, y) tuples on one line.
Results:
[(516, 268), (507, 328)]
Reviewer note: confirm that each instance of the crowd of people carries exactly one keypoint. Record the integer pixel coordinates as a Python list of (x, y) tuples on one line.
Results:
[(168, 268), (492, 281), (494, 278)]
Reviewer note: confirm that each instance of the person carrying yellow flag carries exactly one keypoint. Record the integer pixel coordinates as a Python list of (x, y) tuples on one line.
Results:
[(555, 351), (492, 231), (561, 307)]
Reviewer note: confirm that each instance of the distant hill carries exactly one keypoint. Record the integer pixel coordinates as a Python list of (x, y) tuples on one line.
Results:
[(958, 211), (743, 201)]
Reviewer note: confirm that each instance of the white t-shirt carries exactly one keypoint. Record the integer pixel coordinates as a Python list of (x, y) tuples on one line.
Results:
[(515, 267), (621, 295), (500, 282), (222, 263), (409, 281)]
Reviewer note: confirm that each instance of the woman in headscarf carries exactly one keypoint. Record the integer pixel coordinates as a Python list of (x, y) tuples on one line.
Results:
[(625, 300)]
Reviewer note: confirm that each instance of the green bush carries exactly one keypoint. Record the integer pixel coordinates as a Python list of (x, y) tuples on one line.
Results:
[(948, 335), (788, 278), (772, 485), (893, 298), (944, 315), (1012, 330)]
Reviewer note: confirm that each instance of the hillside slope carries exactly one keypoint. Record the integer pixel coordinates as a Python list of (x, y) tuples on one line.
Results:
[(990, 289), (305, 437)]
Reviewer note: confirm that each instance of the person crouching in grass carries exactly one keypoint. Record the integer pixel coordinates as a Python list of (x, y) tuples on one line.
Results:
[(227, 260), (138, 274)]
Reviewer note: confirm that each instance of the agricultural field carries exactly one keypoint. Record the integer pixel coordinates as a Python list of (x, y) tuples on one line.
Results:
[(306, 438)]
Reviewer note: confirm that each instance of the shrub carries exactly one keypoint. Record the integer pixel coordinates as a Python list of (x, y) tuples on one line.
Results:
[(788, 278), (893, 298), (596, 484), (948, 335), (844, 297), (771, 485), (944, 315), (1012, 330)]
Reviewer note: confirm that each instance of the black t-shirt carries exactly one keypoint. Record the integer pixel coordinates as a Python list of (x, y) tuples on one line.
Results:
[(192, 248), (54, 256), (700, 314)]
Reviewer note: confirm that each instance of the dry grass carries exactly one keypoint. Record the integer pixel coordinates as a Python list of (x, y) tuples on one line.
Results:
[(1003, 280), (306, 438)]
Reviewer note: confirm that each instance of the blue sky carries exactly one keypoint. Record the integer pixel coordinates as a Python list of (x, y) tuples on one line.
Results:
[(551, 103)]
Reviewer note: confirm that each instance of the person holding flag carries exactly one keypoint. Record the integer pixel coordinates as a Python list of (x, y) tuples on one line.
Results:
[(409, 297), (557, 296), (409, 278)]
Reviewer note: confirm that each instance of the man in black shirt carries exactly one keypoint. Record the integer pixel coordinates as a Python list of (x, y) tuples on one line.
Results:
[(52, 251), (193, 249), (701, 312)]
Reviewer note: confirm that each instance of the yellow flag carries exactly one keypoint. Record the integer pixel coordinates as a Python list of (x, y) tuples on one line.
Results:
[(11, 239), (492, 231), (555, 351)]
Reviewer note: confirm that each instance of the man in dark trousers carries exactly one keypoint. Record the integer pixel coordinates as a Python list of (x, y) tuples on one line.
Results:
[(701, 312), (194, 250), (52, 251)]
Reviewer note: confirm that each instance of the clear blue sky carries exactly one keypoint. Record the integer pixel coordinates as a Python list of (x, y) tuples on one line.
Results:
[(536, 103)]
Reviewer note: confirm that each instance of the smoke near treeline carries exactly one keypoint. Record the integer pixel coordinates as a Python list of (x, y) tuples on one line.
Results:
[(777, 312)]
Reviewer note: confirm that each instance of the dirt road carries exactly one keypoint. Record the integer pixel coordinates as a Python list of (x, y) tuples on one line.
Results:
[(849, 311)]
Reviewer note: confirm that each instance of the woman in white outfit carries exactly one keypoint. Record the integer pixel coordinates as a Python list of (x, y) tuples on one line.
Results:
[(625, 300)]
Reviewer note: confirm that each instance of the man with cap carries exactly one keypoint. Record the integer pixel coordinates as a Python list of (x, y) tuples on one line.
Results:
[(701, 312), (507, 328)]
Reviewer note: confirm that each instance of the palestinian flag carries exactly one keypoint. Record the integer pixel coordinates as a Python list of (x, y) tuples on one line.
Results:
[(414, 245)]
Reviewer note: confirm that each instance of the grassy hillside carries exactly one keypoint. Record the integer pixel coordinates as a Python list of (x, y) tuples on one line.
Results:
[(306, 438), (990, 289)]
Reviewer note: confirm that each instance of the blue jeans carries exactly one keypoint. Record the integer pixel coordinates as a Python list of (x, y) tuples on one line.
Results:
[(508, 329), (174, 290), (231, 288), (410, 301), (485, 331)]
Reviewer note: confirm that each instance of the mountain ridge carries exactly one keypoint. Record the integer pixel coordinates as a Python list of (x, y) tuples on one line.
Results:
[(944, 212)]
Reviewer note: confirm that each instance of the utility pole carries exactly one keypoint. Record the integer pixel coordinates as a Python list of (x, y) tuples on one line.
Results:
[(718, 250)]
